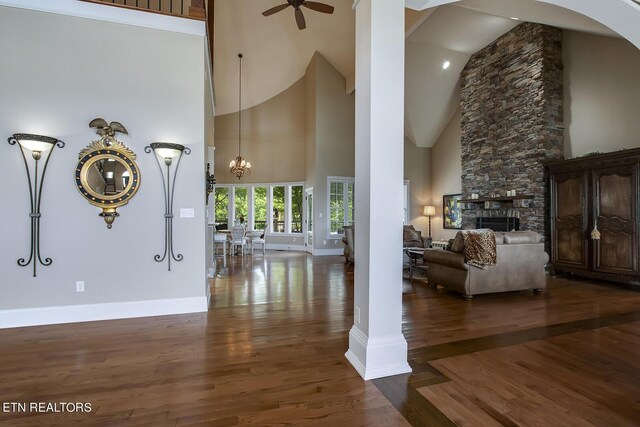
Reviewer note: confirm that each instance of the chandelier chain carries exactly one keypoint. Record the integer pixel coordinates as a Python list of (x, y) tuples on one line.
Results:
[(240, 107), (239, 166)]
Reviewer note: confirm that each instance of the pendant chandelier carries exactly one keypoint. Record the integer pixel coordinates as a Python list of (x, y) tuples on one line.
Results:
[(239, 166)]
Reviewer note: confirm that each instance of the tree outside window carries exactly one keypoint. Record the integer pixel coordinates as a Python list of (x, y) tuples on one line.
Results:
[(260, 207), (297, 200), (241, 205), (278, 209), (221, 204)]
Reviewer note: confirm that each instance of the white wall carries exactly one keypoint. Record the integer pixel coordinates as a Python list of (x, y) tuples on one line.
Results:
[(602, 93), (56, 74), (417, 170), (446, 166), (334, 143)]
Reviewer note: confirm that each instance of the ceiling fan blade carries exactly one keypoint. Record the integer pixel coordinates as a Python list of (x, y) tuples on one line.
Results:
[(300, 19), (318, 7), (275, 9)]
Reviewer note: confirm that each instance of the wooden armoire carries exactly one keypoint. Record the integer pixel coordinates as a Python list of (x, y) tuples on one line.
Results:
[(596, 191)]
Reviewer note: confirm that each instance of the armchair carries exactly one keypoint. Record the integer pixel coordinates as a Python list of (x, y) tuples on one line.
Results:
[(349, 249), (412, 238)]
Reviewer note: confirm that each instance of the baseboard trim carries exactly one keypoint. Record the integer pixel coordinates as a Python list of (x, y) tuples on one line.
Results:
[(327, 252), (379, 357), (282, 247), (38, 316)]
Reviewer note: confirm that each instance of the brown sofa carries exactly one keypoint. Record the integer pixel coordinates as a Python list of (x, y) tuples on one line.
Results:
[(520, 265)]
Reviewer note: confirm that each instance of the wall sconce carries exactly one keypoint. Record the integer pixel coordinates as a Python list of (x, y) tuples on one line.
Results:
[(429, 211), (165, 153), (211, 181), (36, 145)]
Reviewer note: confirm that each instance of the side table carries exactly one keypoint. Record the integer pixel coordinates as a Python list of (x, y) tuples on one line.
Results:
[(414, 255)]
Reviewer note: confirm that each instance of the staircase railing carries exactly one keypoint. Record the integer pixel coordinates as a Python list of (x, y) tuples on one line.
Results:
[(185, 8)]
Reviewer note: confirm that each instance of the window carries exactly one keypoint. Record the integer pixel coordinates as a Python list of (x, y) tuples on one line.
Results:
[(350, 205), (221, 205), (341, 205), (279, 207), (259, 208), (336, 208), (297, 201), (241, 205)]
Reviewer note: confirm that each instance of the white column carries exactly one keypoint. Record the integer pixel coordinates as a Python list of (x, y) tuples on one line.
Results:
[(377, 347)]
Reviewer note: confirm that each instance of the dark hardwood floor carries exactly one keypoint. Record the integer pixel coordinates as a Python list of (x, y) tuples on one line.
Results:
[(271, 352)]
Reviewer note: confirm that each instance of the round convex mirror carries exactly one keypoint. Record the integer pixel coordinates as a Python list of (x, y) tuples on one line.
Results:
[(107, 178)]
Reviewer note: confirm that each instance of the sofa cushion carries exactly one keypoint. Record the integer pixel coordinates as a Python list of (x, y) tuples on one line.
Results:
[(519, 237), (448, 258), (499, 237)]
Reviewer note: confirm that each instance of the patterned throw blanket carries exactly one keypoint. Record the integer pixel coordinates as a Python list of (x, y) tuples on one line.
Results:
[(479, 248)]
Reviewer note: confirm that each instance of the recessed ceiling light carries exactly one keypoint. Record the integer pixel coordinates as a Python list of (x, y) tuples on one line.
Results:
[(445, 65), (514, 18)]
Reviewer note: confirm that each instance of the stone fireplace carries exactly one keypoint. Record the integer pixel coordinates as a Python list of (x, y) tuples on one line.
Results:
[(512, 125)]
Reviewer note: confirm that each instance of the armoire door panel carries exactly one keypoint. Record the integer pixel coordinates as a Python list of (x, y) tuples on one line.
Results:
[(569, 227), (570, 247), (570, 196), (615, 252), (615, 196)]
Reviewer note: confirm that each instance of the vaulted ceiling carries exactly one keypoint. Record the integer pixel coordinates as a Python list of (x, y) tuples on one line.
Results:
[(276, 53)]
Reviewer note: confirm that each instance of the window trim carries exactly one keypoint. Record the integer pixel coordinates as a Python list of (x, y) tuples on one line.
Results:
[(345, 202)]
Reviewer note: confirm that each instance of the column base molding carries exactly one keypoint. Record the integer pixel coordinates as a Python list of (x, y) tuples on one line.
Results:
[(377, 357)]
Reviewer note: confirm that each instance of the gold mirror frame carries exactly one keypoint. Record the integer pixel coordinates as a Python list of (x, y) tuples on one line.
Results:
[(110, 149)]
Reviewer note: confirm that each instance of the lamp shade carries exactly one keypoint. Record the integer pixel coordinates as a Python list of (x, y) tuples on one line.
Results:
[(35, 143), (429, 211), (167, 150)]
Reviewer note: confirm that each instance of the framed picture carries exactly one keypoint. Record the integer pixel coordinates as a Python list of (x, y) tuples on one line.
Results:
[(451, 212)]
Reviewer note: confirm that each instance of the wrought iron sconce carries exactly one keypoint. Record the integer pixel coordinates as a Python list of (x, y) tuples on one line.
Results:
[(167, 152), (36, 145), (211, 181)]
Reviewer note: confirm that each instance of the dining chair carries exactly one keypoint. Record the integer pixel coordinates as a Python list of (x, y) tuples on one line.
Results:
[(260, 240), (238, 239)]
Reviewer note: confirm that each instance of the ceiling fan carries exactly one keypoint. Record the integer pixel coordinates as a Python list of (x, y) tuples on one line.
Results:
[(318, 7)]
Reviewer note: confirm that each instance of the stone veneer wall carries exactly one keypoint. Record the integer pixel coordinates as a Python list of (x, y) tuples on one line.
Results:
[(512, 120)]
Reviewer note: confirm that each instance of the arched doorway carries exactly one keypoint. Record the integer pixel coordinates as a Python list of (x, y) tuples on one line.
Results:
[(622, 16)]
